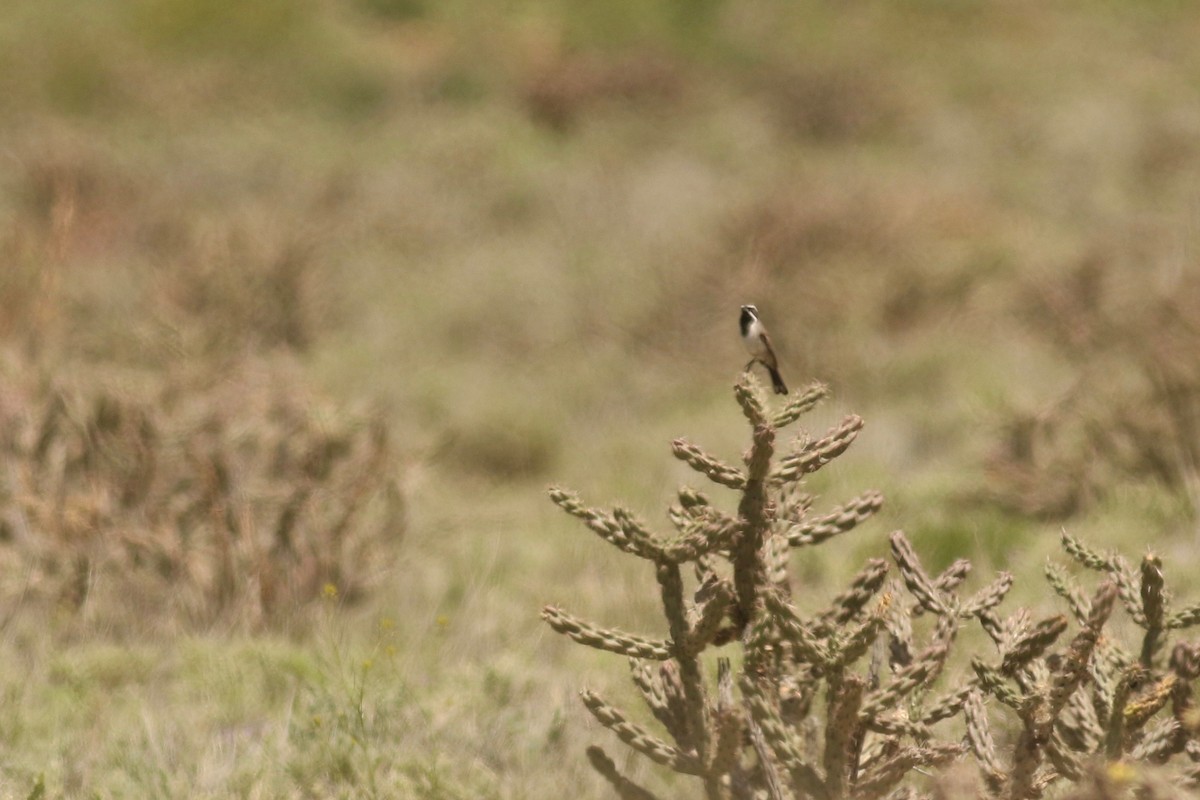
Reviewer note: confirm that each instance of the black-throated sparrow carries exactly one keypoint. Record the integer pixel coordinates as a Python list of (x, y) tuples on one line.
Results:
[(758, 343)]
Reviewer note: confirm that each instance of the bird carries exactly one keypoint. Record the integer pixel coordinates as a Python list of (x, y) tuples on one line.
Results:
[(758, 344)]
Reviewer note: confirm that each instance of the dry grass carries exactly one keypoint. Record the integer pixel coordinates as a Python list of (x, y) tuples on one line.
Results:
[(521, 232)]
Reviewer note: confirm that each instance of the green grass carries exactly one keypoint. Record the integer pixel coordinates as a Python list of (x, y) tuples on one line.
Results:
[(531, 305)]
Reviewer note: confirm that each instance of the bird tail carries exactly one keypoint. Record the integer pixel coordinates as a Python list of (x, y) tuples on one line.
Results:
[(776, 380)]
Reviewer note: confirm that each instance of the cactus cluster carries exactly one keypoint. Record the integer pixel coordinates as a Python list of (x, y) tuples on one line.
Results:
[(848, 701), (1092, 701)]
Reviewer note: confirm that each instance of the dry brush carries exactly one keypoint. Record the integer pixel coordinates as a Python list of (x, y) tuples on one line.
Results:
[(192, 500)]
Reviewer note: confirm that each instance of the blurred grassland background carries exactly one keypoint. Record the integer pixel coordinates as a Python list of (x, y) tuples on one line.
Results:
[(264, 262)]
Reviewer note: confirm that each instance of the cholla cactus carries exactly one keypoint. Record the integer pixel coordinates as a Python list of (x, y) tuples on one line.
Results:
[(875, 724), (841, 703), (1093, 702)]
